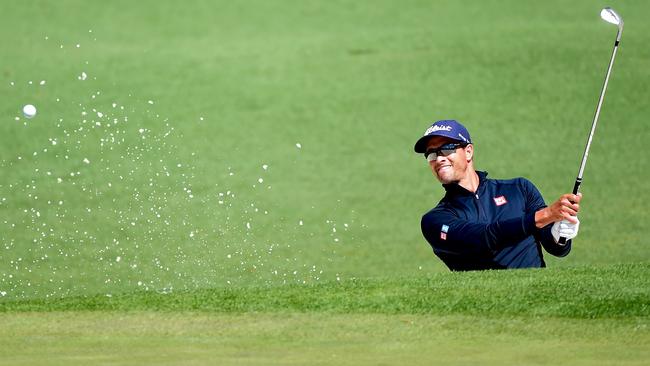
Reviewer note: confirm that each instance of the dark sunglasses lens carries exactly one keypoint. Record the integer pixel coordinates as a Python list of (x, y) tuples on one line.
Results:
[(444, 150)]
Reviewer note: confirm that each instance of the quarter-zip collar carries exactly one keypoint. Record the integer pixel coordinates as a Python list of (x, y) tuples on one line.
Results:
[(454, 189)]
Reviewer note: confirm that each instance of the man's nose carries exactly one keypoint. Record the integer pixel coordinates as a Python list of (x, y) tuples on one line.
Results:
[(440, 157)]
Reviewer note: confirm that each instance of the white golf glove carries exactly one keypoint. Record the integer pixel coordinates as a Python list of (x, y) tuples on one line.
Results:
[(565, 229)]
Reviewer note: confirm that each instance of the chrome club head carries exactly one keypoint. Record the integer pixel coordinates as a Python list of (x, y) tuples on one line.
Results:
[(610, 16)]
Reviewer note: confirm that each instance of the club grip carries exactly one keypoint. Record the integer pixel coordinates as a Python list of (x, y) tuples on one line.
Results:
[(576, 187)]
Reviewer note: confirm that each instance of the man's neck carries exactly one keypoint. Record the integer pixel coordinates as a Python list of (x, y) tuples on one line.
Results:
[(470, 181)]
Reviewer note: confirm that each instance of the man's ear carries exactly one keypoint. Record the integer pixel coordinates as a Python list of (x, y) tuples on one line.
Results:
[(469, 152)]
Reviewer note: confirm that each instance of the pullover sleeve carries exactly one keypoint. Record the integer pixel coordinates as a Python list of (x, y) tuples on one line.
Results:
[(534, 203), (450, 234)]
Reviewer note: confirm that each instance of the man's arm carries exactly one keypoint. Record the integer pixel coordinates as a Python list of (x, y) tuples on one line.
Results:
[(565, 208), (448, 233)]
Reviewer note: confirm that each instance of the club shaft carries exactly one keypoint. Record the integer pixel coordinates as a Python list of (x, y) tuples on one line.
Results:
[(585, 155)]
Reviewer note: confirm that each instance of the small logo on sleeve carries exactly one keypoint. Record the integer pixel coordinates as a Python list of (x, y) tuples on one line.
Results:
[(500, 201), (443, 232)]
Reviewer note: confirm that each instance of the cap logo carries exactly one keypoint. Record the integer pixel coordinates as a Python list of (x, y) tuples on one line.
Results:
[(437, 128)]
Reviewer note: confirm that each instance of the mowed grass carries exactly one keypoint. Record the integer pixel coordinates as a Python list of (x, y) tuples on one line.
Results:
[(163, 189), (110, 338), (582, 292), (234, 182), (579, 316)]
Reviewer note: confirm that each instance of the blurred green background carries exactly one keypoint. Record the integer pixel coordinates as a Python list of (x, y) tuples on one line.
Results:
[(206, 144)]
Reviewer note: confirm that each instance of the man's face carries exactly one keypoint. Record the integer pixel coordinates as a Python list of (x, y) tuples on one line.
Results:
[(453, 167)]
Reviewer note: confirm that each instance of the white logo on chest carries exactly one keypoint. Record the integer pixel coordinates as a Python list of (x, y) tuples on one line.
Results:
[(500, 201)]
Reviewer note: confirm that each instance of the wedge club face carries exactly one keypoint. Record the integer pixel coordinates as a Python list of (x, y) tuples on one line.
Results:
[(610, 16)]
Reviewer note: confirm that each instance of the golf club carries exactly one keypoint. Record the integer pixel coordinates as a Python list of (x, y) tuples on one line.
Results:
[(610, 16)]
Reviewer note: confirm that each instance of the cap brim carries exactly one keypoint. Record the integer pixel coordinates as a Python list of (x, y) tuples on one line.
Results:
[(421, 145)]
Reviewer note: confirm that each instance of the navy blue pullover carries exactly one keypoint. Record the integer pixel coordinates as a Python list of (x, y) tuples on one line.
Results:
[(493, 228)]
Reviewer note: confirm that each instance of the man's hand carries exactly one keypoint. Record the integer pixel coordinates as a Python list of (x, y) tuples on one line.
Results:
[(565, 208), (565, 229)]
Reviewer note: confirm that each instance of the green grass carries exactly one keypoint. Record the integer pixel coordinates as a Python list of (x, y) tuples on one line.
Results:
[(113, 338), (355, 85), (578, 316), (144, 179), (582, 292)]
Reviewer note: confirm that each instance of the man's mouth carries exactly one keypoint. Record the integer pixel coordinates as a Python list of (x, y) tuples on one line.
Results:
[(443, 168)]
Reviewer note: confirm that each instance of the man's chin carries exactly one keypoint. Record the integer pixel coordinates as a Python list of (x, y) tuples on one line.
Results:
[(446, 180)]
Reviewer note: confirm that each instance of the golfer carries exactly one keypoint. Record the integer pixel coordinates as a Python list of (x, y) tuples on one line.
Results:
[(484, 223)]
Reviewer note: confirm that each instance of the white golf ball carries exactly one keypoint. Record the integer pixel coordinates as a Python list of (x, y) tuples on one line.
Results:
[(29, 111)]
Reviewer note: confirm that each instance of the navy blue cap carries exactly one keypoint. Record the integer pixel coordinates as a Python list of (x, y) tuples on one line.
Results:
[(447, 128)]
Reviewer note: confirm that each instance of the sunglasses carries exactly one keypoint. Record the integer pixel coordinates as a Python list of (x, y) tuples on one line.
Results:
[(444, 150)]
